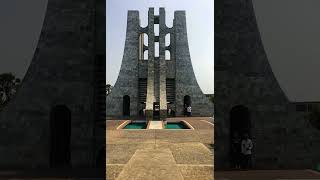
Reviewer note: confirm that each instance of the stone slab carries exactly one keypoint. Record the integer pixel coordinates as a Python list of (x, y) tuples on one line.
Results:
[(151, 165), (189, 153), (122, 153), (113, 171), (130, 136), (155, 125), (201, 172)]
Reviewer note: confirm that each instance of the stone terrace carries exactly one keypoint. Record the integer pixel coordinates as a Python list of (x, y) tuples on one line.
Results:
[(161, 154)]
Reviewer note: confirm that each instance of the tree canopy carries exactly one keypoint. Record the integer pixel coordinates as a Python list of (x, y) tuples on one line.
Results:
[(8, 87), (108, 89)]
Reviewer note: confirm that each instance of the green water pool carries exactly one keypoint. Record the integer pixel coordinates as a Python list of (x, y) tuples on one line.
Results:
[(136, 125), (176, 125)]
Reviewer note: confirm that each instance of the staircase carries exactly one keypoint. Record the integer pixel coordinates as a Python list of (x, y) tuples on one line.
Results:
[(142, 90), (170, 86)]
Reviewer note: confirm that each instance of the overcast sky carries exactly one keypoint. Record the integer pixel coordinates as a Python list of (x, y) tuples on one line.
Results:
[(289, 30), (20, 27), (200, 27)]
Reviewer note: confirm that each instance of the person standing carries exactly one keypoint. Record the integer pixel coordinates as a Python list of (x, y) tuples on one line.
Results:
[(236, 151), (189, 110), (169, 112), (246, 149)]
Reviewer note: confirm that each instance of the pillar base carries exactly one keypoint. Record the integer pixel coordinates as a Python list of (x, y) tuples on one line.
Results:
[(163, 114), (149, 114)]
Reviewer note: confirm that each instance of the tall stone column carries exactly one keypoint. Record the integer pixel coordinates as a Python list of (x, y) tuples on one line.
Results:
[(186, 82), (151, 74), (162, 66), (127, 81), (64, 73)]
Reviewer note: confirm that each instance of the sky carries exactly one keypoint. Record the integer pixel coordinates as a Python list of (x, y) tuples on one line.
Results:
[(290, 35), (20, 27), (200, 27)]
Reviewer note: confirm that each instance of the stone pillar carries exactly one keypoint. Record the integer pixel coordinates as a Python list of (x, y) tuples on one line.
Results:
[(162, 66), (141, 47), (186, 82), (150, 81), (61, 73), (127, 81)]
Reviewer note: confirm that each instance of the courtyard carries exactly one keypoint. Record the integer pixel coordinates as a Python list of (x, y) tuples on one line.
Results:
[(161, 154)]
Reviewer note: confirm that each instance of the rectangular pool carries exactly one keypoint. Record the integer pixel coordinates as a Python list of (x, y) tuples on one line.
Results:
[(136, 125), (176, 125)]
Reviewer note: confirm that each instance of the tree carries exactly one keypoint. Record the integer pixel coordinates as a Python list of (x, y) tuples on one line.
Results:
[(108, 89), (8, 87), (314, 116), (211, 98)]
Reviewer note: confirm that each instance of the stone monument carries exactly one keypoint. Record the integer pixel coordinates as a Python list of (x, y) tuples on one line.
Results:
[(51, 122), (248, 98), (154, 84)]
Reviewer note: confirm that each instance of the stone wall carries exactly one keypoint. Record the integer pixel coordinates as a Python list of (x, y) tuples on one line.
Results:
[(127, 82), (61, 73), (282, 137), (186, 83)]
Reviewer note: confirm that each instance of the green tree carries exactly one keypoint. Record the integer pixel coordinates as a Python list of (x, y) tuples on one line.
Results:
[(314, 116), (211, 98), (108, 89), (8, 87)]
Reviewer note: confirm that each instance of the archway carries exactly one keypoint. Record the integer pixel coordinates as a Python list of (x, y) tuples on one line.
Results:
[(240, 122), (126, 105), (60, 135), (187, 100)]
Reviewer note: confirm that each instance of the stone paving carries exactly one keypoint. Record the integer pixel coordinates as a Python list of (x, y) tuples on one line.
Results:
[(192, 151), (160, 154), (155, 125), (151, 164)]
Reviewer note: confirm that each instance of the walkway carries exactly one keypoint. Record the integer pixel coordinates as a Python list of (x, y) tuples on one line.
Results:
[(155, 125), (151, 164)]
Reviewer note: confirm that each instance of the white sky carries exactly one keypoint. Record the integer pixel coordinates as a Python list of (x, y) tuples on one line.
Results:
[(290, 35), (200, 27)]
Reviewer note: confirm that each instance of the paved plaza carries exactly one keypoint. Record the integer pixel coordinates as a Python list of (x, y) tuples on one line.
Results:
[(177, 154), (160, 153)]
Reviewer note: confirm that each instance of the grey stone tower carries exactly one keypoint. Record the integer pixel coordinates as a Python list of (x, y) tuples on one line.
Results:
[(248, 98), (156, 82), (51, 121)]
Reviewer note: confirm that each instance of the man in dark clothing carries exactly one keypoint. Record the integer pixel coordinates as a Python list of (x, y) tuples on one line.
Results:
[(236, 150)]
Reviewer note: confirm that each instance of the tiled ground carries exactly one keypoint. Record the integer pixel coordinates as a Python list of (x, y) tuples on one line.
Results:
[(161, 154), (192, 152)]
